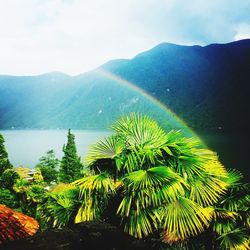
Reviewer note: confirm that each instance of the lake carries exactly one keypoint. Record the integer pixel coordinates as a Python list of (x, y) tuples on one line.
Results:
[(25, 147)]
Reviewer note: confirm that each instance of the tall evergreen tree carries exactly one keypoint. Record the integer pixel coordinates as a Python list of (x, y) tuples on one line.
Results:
[(4, 161), (70, 168)]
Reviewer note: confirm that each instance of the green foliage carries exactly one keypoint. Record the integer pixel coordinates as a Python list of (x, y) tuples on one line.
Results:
[(59, 208), (29, 196), (70, 168), (48, 166), (8, 198), (149, 182), (21, 186), (232, 215), (35, 193), (184, 218), (235, 239), (38, 177), (94, 192), (4, 161), (9, 178), (161, 181), (23, 172)]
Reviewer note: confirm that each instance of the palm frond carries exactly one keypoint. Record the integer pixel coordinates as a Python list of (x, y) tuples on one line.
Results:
[(59, 207), (141, 224), (108, 148), (149, 188), (210, 186), (184, 218), (94, 193), (237, 198), (140, 131), (186, 155), (234, 178), (149, 178), (101, 184), (89, 210), (222, 227), (237, 239)]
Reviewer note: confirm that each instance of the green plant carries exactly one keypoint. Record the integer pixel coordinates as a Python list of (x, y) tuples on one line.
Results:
[(59, 208), (71, 167), (230, 224), (48, 166), (29, 196), (8, 198), (152, 181), (4, 161), (9, 178), (38, 177)]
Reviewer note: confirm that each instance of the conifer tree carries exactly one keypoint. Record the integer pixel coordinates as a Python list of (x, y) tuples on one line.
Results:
[(70, 168), (4, 161)]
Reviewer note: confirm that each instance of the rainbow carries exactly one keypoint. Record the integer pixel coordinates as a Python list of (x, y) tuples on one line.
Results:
[(152, 99)]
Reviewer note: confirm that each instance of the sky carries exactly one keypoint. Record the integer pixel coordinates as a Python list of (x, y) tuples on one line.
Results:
[(75, 36)]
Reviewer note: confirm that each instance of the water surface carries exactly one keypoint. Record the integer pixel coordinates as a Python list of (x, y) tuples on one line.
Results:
[(25, 147)]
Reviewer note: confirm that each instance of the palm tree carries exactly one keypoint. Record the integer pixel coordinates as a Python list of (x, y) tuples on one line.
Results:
[(230, 225), (151, 181), (60, 206)]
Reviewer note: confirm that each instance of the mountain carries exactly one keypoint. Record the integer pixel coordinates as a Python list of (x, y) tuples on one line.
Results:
[(205, 86), (208, 87), (58, 101)]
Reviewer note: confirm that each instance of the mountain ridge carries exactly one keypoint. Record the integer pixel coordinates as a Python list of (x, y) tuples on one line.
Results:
[(207, 87), (196, 82)]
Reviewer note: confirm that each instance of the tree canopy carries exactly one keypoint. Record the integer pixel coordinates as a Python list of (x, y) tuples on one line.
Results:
[(152, 181), (4, 161), (48, 166)]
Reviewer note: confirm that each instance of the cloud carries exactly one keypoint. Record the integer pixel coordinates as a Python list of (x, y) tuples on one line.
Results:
[(242, 31), (74, 36)]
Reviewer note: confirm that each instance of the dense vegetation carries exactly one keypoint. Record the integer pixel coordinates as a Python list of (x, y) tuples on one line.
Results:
[(154, 185), (24, 192)]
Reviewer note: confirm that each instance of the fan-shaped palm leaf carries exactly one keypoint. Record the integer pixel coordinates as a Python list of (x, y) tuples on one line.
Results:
[(95, 191), (149, 188), (222, 227), (101, 184), (234, 178), (61, 210), (186, 155), (208, 188), (108, 148), (183, 218), (141, 224), (59, 207), (140, 131), (237, 198), (234, 240)]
